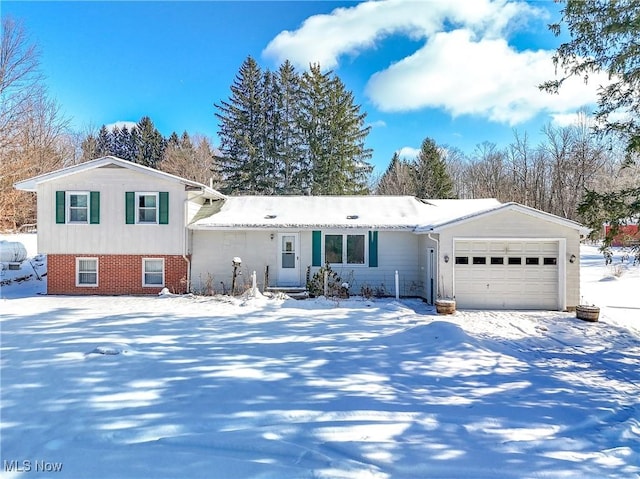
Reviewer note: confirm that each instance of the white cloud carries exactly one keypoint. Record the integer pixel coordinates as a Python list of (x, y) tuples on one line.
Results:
[(408, 153), (465, 67)]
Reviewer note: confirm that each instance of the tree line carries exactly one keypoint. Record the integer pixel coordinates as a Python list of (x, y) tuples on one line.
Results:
[(286, 132)]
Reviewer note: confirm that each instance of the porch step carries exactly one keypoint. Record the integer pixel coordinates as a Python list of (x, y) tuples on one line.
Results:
[(295, 292)]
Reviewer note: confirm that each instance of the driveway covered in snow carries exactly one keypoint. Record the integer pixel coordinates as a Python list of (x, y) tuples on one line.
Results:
[(204, 387)]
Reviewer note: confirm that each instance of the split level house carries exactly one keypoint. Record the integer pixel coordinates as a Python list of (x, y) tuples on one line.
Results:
[(109, 226)]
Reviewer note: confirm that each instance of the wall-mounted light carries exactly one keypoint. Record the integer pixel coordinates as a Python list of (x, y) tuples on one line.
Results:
[(572, 258), (446, 258), (272, 236)]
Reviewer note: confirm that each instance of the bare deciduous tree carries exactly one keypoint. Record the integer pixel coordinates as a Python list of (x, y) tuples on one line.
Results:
[(32, 128)]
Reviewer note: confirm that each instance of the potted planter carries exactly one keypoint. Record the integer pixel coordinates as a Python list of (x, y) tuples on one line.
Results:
[(587, 313), (445, 306)]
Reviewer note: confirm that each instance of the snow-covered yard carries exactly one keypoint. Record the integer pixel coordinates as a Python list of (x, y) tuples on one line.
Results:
[(171, 387)]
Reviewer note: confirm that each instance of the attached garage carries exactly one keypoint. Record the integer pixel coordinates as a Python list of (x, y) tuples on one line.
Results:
[(508, 273), (508, 256)]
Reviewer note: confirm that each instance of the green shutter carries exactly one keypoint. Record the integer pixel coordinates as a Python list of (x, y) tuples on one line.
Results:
[(373, 249), (163, 215), (316, 248), (94, 207), (60, 213), (130, 207)]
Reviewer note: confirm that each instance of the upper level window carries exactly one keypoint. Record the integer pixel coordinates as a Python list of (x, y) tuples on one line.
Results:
[(147, 207), (77, 207), (344, 249)]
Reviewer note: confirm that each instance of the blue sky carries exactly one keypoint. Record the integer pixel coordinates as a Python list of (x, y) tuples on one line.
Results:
[(459, 71)]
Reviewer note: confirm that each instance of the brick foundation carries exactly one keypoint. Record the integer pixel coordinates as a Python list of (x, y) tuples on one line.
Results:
[(117, 274)]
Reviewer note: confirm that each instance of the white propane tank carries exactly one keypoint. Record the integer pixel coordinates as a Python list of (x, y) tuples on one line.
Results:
[(12, 252)]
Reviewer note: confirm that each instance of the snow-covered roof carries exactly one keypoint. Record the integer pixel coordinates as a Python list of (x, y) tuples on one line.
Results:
[(30, 184), (382, 212), (460, 214)]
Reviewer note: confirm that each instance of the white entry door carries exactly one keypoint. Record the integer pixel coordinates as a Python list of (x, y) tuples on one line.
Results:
[(288, 259)]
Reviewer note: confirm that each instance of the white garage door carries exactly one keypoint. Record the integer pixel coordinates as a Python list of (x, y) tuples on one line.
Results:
[(506, 274)]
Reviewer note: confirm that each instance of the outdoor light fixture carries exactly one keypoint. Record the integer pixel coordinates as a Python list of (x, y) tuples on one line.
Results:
[(271, 236), (572, 258), (446, 258)]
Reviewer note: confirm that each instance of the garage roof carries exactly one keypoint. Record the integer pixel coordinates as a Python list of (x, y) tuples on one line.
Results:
[(443, 223)]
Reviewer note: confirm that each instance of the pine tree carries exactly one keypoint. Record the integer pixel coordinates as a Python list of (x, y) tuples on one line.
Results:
[(241, 131), (104, 142), (149, 142), (431, 177), (604, 38), (123, 147), (334, 132), (289, 148)]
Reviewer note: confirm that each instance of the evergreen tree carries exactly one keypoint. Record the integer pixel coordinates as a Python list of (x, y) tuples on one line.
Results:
[(104, 143), (604, 38), (123, 145), (289, 147), (173, 141), (432, 179), (241, 132), (150, 144), (334, 132)]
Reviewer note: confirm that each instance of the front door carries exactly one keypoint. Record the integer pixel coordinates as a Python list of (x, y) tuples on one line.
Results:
[(288, 259)]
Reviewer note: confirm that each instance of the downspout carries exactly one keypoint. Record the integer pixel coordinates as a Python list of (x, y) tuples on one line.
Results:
[(185, 239), (437, 258)]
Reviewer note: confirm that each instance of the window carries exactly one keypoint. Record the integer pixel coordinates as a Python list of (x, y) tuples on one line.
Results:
[(146, 207), (497, 260), (333, 248), (550, 261), (336, 245), (514, 261), (149, 208), (479, 260), (78, 209), (462, 260), (153, 272), (86, 271), (532, 261), (355, 249)]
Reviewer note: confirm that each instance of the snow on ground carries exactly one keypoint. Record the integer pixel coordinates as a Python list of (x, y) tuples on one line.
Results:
[(180, 386)]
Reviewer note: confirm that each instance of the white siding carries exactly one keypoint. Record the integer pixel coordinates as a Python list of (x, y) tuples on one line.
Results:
[(213, 251), (112, 235), (511, 224), (397, 250)]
